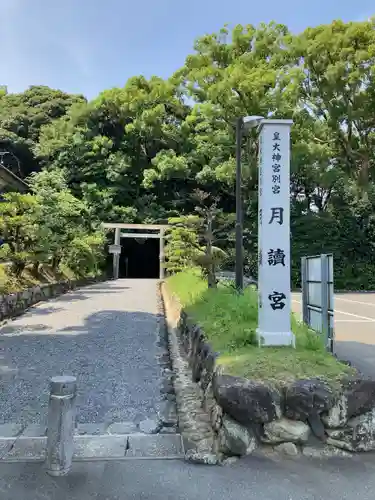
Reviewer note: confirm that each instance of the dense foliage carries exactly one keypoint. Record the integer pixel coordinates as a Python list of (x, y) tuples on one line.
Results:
[(135, 154), (49, 226)]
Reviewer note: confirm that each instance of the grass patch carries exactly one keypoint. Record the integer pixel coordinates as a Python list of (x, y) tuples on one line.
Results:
[(9, 283), (230, 320)]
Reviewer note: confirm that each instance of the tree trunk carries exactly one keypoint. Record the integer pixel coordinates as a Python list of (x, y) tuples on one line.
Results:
[(211, 275), (55, 263), (18, 267)]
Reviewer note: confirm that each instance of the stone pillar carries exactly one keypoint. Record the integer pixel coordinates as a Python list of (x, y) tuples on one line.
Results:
[(61, 425), (116, 256), (274, 234), (161, 254)]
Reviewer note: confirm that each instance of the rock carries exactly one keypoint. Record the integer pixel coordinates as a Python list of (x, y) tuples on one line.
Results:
[(337, 416), (216, 417), (208, 366), (168, 414), (283, 430), (316, 425), (167, 387), (305, 398), (236, 439), (289, 449), (246, 401), (359, 435), (324, 452), (203, 458), (150, 426), (169, 397), (358, 397), (229, 460), (168, 430)]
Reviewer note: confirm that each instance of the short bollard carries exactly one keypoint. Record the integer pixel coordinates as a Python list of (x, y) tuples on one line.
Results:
[(61, 424)]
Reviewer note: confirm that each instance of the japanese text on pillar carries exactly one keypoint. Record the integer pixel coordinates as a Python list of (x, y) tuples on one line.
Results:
[(276, 256)]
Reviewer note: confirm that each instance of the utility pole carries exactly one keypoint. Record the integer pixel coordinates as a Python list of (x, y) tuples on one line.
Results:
[(239, 222), (242, 126)]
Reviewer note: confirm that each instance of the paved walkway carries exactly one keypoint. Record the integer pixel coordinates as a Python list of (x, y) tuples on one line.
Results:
[(104, 334), (354, 328)]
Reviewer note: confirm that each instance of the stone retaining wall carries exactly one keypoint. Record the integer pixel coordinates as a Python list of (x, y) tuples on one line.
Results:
[(306, 417), (16, 303)]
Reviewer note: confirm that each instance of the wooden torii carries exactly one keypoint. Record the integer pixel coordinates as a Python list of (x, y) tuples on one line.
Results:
[(115, 249)]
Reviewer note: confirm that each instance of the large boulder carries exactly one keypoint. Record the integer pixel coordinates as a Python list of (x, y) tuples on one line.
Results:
[(359, 435), (358, 397), (246, 401), (283, 430), (308, 398), (235, 439)]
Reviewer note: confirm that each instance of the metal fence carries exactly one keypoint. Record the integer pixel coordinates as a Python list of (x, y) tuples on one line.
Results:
[(318, 294)]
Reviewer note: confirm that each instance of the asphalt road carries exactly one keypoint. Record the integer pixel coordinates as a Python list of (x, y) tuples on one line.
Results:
[(252, 478), (354, 328)]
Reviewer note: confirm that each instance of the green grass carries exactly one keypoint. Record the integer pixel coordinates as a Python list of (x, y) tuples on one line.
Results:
[(230, 320)]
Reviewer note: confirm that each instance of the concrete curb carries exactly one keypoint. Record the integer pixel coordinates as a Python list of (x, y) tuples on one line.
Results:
[(90, 447)]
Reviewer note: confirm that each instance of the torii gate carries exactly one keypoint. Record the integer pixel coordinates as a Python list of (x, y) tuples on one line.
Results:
[(115, 249)]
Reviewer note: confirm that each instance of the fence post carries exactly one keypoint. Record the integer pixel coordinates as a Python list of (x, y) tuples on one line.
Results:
[(305, 312), (61, 424), (324, 299)]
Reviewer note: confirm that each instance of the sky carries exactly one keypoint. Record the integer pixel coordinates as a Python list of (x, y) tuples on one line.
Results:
[(86, 46)]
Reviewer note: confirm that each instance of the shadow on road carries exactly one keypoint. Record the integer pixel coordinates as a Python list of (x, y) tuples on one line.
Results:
[(42, 311), (251, 478), (361, 355), (112, 354)]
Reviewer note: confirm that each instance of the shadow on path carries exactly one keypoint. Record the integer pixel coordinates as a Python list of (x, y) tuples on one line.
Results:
[(112, 354), (360, 355), (251, 478)]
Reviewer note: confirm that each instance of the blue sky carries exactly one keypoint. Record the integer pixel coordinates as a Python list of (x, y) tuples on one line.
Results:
[(87, 46)]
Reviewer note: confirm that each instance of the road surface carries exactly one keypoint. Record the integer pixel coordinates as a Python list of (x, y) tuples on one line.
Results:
[(105, 334), (354, 328), (252, 478)]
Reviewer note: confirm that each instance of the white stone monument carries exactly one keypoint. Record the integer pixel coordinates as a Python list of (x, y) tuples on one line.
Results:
[(274, 328)]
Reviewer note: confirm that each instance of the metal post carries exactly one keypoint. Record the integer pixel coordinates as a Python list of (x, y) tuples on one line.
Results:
[(61, 424), (239, 228), (324, 301), (305, 292), (161, 254), (116, 257)]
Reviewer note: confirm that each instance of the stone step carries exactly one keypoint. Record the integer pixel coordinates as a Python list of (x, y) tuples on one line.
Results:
[(97, 447)]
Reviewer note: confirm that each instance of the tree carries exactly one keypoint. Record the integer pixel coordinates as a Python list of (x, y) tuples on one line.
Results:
[(336, 85), (68, 228), (182, 246), (19, 229), (23, 115), (138, 153), (193, 237)]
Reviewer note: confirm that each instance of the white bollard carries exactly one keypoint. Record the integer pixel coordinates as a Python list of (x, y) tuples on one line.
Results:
[(61, 425)]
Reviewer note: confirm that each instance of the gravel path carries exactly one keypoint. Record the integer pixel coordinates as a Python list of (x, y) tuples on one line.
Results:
[(104, 334)]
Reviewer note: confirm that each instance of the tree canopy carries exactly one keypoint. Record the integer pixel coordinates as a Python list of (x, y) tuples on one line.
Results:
[(137, 153)]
